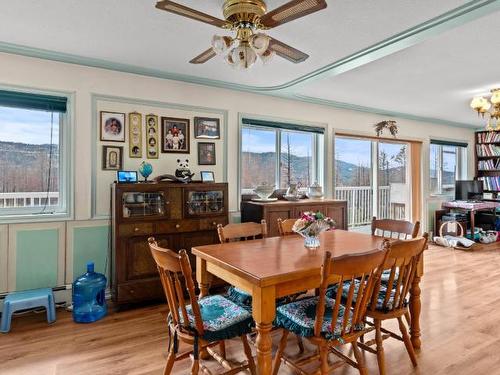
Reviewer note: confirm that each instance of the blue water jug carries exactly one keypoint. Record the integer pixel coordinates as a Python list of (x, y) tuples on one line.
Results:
[(89, 303)]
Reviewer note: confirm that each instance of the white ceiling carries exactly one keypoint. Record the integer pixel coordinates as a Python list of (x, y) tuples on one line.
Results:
[(430, 79)]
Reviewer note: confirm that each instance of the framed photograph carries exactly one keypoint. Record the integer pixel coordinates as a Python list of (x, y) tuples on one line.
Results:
[(174, 135), (206, 153), (112, 126), (152, 146), (112, 158), (135, 135), (207, 176), (206, 128)]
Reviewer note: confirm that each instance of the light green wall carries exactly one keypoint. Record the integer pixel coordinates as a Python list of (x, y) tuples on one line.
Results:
[(90, 244), (36, 258)]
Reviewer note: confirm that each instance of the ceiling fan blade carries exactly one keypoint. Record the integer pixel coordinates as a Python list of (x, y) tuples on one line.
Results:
[(204, 56), (285, 51), (185, 11), (291, 11)]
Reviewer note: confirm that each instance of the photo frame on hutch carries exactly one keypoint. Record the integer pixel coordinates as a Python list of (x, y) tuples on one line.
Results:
[(112, 158), (152, 145), (206, 128), (175, 135), (206, 153), (135, 135), (207, 176), (112, 126)]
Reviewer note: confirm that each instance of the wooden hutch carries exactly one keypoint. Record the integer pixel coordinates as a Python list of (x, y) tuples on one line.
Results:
[(179, 216)]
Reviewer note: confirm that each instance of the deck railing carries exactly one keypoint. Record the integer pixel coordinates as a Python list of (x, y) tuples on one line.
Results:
[(28, 199)]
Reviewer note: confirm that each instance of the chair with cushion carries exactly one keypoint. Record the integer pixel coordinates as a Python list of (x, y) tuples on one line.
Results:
[(241, 232), (285, 226), (325, 321), (390, 228), (204, 323), (391, 303)]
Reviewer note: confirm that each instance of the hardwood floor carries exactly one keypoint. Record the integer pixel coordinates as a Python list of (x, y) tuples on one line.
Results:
[(460, 325)]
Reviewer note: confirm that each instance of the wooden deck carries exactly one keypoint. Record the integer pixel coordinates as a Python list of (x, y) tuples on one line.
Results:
[(460, 325)]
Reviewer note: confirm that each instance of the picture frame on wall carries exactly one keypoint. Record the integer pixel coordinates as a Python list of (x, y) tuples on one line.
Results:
[(112, 126), (175, 135), (112, 158), (152, 145), (135, 135), (206, 153), (206, 128)]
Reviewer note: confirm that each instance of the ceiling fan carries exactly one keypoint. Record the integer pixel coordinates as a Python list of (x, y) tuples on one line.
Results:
[(247, 18)]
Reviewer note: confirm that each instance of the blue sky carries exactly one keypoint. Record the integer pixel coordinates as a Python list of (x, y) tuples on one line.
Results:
[(26, 126)]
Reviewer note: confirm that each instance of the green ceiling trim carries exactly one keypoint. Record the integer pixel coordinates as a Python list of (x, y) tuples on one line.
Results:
[(383, 112)]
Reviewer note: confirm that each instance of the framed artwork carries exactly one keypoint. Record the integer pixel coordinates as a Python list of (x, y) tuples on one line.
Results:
[(206, 153), (206, 128), (112, 158), (112, 126), (152, 146), (135, 135), (207, 176), (174, 135)]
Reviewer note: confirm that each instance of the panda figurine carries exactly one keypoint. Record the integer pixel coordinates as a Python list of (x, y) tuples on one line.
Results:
[(183, 171)]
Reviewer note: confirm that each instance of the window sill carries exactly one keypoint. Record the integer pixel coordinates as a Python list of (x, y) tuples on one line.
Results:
[(35, 218)]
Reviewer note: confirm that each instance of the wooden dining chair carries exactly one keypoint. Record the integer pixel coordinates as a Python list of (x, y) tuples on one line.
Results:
[(325, 321), (241, 232), (390, 228), (285, 226), (391, 298), (203, 323)]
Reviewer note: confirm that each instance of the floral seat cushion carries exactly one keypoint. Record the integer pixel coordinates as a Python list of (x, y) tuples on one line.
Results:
[(332, 293), (244, 299), (299, 317), (384, 278), (222, 319)]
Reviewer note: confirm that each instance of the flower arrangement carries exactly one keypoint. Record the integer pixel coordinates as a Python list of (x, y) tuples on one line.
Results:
[(310, 225)]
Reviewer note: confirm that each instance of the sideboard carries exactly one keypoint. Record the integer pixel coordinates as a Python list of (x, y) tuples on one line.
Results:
[(271, 211)]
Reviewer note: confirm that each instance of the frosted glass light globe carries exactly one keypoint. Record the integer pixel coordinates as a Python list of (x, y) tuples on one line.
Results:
[(260, 42), (243, 56), (495, 96), (267, 56), (221, 44)]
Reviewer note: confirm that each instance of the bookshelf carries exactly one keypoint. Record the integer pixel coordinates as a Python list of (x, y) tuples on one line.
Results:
[(487, 151)]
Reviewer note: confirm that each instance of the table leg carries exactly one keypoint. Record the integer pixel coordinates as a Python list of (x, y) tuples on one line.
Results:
[(472, 224), (264, 310), (202, 276)]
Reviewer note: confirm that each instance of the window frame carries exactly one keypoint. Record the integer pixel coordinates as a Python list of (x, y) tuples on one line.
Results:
[(64, 209), (318, 153), (460, 166)]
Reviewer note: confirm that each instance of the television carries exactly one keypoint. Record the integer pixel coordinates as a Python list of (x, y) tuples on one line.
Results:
[(467, 190)]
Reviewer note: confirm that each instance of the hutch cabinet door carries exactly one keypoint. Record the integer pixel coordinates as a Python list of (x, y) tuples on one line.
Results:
[(202, 202), (139, 262), (273, 216), (339, 214)]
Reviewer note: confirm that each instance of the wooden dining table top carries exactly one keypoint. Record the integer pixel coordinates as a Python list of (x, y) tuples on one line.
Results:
[(277, 259)]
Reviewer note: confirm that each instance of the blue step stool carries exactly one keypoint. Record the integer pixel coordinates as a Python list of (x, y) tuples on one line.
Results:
[(27, 300)]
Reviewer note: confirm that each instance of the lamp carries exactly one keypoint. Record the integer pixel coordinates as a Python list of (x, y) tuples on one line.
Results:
[(482, 106)]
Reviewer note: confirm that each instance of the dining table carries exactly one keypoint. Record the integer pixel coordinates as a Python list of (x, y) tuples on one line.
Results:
[(275, 267)]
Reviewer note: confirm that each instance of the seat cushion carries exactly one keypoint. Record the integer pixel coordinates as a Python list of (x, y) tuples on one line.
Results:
[(384, 278), (244, 299), (299, 317), (222, 319), (332, 293)]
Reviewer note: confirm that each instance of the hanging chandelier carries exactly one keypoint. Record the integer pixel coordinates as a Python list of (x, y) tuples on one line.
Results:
[(488, 107)]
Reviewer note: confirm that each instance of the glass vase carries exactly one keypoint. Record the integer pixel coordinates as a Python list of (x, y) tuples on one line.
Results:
[(311, 242)]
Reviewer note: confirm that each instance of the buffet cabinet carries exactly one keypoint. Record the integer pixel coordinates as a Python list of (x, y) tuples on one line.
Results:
[(178, 216), (271, 211)]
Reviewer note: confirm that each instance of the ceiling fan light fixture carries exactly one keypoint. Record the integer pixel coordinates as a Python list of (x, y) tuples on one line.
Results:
[(221, 44), (495, 96), (243, 56), (260, 42), (267, 56)]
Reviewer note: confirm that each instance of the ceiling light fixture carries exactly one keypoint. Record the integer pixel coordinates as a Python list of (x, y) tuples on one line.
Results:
[(482, 106)]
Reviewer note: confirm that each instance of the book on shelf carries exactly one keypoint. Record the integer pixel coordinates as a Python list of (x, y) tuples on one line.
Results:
[(488, 165), (488, 137), (487, 150), (490, 183)]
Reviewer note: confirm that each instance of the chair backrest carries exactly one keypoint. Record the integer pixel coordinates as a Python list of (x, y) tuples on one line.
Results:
[(390, 228), (285, 226), (242, 231), (402, 261), (172, 267), (366, 270)]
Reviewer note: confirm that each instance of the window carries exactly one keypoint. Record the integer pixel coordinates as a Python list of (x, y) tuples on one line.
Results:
[(32, 167), (280, 154), (448, 163)]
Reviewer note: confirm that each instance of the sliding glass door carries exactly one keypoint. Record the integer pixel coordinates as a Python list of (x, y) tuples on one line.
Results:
[(372, 176)]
